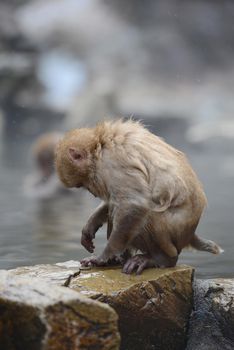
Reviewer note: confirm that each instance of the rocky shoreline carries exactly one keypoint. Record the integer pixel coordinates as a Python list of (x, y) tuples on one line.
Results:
[(62, 306)]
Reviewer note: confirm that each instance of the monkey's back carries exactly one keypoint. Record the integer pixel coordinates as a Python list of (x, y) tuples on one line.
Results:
[(161, 170)]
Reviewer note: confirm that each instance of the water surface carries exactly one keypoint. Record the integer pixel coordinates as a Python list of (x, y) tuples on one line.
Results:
[(33, 232)]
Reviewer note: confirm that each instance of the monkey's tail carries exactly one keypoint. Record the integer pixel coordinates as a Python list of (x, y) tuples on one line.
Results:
[(205, 245)]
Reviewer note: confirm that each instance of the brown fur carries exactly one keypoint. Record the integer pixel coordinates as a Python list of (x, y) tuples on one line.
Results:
[(44, 148), (43, 182), (46, 142), (152, 198)]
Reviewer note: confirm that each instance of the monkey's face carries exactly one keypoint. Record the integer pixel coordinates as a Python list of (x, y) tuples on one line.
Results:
[(73, 159)]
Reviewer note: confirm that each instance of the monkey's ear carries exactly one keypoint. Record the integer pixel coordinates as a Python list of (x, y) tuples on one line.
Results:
[(76, 156)]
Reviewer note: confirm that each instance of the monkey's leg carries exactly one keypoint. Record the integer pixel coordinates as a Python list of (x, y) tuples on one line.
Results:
[(163, 252), (162, 260), (151, 244), (96, 220), (127, 223), (115, 260)]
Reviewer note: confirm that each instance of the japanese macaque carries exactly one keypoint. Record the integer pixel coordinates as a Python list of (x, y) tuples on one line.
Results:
[(152, 199), (43, 183)]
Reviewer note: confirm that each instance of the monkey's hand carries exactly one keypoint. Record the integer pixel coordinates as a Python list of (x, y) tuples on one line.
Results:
[(94, 261), (87, 237), (101, 261)]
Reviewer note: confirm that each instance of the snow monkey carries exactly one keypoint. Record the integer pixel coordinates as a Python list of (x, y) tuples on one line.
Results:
[(43, 183), (152, 198)]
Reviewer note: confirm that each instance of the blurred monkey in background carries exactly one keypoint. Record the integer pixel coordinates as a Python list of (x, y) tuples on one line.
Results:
[(43, 183)]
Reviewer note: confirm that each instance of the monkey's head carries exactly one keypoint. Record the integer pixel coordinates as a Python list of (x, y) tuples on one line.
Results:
[(74, 157), (43, 152)]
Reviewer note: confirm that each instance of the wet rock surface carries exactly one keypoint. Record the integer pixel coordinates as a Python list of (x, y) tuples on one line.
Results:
[(35, 316), (58, 274), (212, 320), (160, 309), (153, 308)]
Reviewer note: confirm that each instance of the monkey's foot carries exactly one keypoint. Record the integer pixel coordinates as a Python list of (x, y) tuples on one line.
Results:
[(138, 263)]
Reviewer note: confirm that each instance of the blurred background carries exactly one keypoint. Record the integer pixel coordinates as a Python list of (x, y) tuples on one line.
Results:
[(70, 63)]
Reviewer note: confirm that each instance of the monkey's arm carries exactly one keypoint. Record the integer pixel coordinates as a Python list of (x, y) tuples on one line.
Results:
[(96, 220), (127, 223)]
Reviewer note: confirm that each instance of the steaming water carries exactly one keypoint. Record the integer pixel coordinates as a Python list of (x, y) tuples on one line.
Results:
[(33, 232)]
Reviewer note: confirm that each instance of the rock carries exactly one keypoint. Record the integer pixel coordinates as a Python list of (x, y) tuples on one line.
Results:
[(153, 308), (212, 321), (35, 316), (59, 274)]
